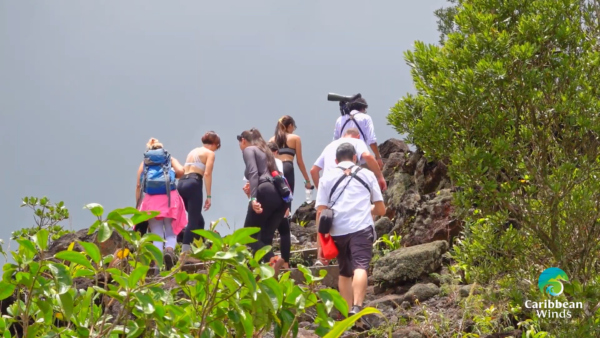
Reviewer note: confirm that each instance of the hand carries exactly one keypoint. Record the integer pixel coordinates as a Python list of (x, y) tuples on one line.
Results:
[(320, 255), (307, 185), (246, 189), (380, 163), (207, 204), (287, 213), (256, 207), (382, 183)]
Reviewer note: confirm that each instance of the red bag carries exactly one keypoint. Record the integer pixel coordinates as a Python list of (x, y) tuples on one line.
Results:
[(328, 248)]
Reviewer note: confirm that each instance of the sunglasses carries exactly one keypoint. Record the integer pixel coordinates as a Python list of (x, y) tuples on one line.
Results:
[(239, 138)]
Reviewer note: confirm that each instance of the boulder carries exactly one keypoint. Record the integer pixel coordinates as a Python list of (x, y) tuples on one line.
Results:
[(392, 164), (330, 280), (434, 219), (383, 226), (421, 292), (392, 146), (389, 300), (305, 213), (305, 234), (410, 263), (431, 176)]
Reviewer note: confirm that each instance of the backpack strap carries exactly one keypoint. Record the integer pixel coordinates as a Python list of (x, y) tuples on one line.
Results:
[(167, 172), (337, 183), (351, 117)]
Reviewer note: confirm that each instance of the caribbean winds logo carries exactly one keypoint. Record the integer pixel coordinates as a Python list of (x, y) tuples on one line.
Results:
[(550, 281), (551, 284)]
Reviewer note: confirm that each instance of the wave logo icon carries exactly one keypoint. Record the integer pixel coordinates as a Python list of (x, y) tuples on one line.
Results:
[(550, 281)]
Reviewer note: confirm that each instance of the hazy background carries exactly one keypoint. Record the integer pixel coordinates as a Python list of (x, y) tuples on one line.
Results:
[(84, 85)]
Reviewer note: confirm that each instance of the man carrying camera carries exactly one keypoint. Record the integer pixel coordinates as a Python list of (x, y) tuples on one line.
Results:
[(345, 213), (358, 118)]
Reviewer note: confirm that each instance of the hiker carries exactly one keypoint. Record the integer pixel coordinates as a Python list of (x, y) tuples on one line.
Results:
[(156, 179), (289, 146), (198, 167), (327, 160), (363, 122), (285, 235), (348, 191), (266, 206)]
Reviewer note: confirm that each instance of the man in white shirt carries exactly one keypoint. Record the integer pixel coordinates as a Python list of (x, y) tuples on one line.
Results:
[(352, 228), (327, 159), (359, 119)]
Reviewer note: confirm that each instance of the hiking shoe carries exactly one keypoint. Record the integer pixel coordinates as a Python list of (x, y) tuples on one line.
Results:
[(170, 259), (362, 324)]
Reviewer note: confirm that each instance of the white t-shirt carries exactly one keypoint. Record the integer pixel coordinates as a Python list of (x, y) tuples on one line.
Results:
[(352, 210), (361, 120), (327, 159), (279, 167)]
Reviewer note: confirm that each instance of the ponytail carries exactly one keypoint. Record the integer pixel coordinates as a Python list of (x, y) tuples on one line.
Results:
[(281, 130)]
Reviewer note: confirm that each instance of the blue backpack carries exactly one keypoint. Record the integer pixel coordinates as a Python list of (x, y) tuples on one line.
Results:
[(158, 178)]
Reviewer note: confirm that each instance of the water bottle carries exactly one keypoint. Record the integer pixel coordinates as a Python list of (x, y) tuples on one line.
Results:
[(308, 195)]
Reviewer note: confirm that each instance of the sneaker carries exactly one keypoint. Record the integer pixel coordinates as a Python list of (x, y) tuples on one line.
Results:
[(170, 259), (362, 324), (294, 240)]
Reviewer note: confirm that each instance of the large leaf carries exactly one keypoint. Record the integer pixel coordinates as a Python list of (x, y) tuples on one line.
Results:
[(150, 237), (104, 232), (96, 209), (27, 245), (338, 301), (248, 279), (340, 327), (92, 250), (62, 277), (41, 239), (242, 236), (143, 216), (75, 257), (273, 291), (6, 290), (137, 274), (66, 302), (146, 303), (212, 236)]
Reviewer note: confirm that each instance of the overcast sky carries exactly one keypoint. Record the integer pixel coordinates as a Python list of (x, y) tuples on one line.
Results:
[(85, 84)]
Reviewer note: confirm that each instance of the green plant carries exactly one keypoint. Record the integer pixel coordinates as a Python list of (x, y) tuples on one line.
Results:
[(387, 243), (81, 293), (47, 216)]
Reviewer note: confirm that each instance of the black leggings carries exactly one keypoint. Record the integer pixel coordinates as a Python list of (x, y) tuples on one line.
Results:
[(269, 220), (284, 227), (190, 189)]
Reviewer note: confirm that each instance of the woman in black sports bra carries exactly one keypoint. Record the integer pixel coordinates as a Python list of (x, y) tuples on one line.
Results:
[(290, 146)]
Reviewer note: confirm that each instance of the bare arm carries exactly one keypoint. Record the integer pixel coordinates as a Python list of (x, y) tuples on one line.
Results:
[(372, 164), (177, 167), (378, 208), (138, 185), (375, 150), (210, 162), (300, 160), (314, 174)]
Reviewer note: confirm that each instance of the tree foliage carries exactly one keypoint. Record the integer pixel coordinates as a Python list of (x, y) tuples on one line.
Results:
[(78, 292), (512, 100)]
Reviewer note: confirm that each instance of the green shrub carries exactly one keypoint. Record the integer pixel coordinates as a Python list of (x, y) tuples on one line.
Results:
[(80, 293)]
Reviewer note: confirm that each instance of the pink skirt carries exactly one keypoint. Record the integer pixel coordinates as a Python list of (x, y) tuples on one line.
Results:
[(161, 203)]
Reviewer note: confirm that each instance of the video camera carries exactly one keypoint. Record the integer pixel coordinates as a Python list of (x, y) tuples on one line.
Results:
[(345, 101)]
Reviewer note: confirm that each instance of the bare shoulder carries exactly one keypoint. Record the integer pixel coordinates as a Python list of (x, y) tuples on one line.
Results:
[(293, 138), (272, 139)]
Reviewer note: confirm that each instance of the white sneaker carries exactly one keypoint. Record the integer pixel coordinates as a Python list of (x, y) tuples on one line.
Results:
[(318, 263), (294, 240)]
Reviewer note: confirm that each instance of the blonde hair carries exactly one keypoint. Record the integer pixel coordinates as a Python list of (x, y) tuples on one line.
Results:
[(154, 144)]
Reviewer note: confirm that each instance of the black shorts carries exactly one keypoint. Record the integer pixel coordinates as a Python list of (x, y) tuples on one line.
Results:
[(355, 250)]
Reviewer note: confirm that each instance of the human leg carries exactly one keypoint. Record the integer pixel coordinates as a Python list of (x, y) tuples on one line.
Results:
[(288, 173), (170, 243), (190, 189), (285, 239), (157, 227), (361, 249), (346, 269)]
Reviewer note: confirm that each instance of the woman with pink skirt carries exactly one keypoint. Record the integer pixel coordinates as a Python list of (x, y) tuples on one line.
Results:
[(150, 181)]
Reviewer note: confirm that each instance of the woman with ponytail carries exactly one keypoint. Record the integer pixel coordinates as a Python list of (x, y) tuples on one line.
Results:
[(266, 208), (289, 146)]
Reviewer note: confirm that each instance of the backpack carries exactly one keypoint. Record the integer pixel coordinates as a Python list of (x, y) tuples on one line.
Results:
[(158, 178), (282, 186)]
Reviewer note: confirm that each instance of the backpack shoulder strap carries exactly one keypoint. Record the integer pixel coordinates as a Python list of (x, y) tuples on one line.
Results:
[(337, 183), (351, 117), (360, 179)]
